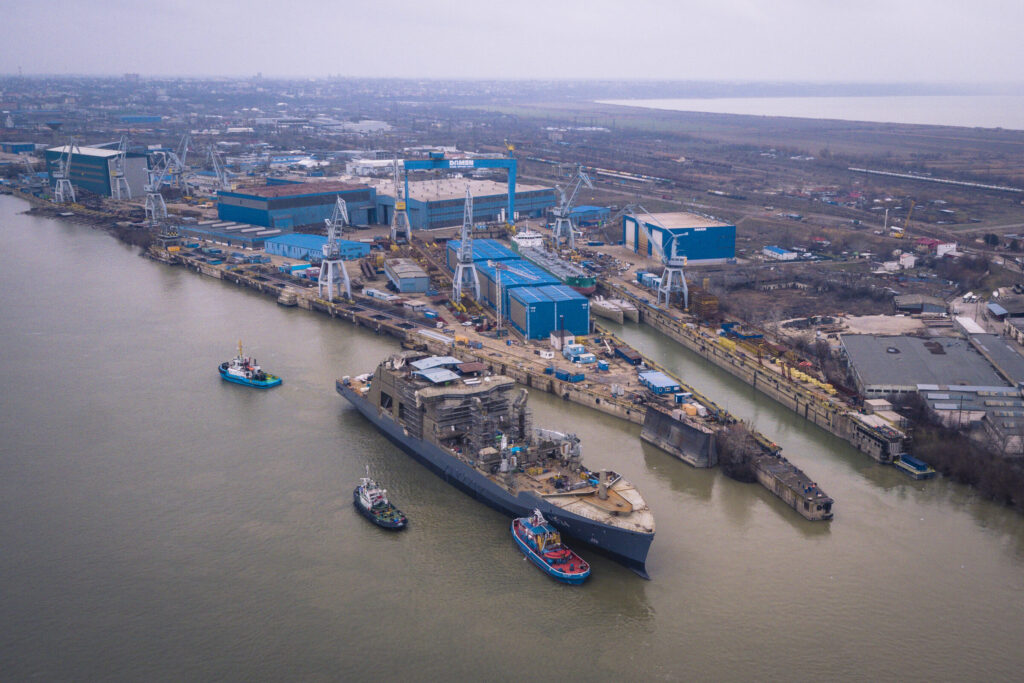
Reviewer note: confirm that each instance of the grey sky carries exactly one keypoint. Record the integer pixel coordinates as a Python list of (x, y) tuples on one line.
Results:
[(823, 40)]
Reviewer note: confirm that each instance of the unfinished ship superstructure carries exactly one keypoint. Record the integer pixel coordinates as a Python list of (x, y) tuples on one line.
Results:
[(477, 433)]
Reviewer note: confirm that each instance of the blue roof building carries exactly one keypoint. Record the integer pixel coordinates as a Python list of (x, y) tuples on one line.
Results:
[(589, 215), (659, 382), (311, 247)]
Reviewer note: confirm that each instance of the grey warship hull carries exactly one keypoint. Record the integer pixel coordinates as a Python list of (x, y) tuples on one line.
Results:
[(627, 547)]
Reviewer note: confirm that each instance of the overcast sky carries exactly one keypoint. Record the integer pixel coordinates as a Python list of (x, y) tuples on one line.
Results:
[(824, 40)]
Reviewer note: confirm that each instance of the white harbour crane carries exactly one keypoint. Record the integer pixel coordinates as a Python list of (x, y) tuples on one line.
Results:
[(119, 188), (63, 190), (178, 168), (498, 268), (563, 232), (332, 269), (465, 270), (673, 279), (400, 219), (156, 207)]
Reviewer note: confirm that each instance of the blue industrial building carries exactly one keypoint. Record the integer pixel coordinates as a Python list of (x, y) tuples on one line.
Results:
[(589, 215), (289, 205), (659, 382), (525, 275), (140, 118), (311, 247), (231, 234), (448, 206), (483, 250), (699, 238), (17, 147), (536, 312), (92, 168)]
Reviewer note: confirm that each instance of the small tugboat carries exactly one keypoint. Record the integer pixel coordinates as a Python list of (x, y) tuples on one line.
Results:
[(543, 545), (372, 502), (244, 370)]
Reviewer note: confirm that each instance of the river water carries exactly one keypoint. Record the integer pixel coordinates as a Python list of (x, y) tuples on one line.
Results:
[(157, 523), (983, 111)]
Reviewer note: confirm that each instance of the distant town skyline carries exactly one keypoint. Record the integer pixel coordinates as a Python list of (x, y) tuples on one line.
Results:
[(741, 40)]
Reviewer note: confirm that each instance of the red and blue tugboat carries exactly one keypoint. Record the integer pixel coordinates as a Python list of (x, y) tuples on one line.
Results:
[(543, 545), (372, 502)]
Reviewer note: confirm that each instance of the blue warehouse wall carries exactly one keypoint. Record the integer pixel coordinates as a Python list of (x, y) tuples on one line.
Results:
[(87, 172), (448, 212), (712, 243)]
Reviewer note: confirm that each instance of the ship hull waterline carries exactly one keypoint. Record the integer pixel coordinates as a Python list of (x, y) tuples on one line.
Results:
[(249, 382), (628, 548)]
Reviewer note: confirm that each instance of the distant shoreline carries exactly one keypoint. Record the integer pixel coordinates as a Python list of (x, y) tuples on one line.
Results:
[(963, 111)]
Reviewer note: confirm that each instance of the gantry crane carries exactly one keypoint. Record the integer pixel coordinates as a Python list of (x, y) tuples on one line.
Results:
[(563, 232), (119, 188), (178, 168), (400, 219), (498, 267), (63, 191), (672, 279), (156, 208), (332, 268), (223, 182), (465, 270)]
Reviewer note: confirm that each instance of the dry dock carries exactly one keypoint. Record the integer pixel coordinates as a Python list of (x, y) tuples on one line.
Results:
[(882, 442)]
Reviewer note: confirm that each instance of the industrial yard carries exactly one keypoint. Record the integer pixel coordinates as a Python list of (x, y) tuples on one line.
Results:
[(509, 231)]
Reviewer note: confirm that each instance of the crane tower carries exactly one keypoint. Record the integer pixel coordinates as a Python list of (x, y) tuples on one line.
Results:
[(673, 279), (400, 219), (498, 267), (465, 269), (119, 188), (563, 233), (156, 208), (63, 191), (332, 268)]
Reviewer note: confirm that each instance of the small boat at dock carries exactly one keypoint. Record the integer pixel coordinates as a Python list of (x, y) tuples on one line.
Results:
[(542, 544), (245, 370), (372, 502), (913, 467)]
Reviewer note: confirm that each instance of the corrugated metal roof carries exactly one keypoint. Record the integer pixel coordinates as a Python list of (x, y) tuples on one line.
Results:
[(296, 189), (562, 293), (86, 151), (300, 240), (658, 379), (529, 295), (437, 375), (434, 362), (912, 361)]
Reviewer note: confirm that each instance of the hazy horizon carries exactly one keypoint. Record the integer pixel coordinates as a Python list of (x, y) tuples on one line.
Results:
[(870, 42)]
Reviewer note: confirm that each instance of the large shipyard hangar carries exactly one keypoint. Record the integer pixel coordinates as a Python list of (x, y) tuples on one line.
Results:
[(92, 168), (291, 205), (440, 202), (699, 238)]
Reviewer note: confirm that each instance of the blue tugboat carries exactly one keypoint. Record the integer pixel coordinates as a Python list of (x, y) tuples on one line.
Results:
[(244, 370), (543, 545), (372, 502)]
